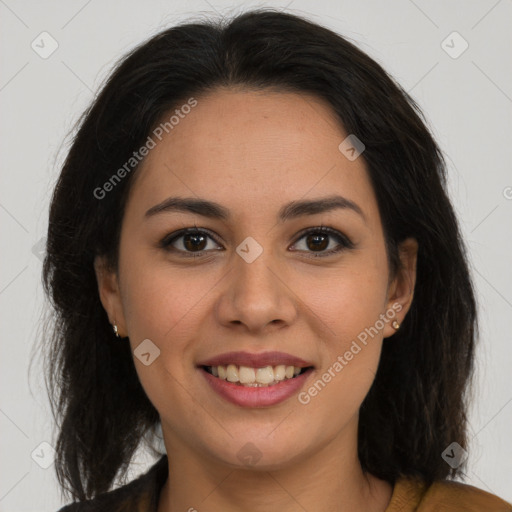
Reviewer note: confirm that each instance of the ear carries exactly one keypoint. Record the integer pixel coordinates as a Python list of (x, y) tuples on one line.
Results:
[(401, 288), (110, 295)]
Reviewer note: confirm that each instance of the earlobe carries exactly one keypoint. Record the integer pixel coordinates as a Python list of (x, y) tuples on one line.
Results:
[(401, 290), (109, 292)]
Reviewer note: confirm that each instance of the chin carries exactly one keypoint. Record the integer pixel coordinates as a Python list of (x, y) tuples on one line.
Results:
[(261, 453)]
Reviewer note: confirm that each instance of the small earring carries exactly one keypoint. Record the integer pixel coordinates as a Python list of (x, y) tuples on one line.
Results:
[(115, 330), (395, 325)]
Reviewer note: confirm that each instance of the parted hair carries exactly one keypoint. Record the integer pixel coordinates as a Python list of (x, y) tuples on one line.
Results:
[(417, 405)]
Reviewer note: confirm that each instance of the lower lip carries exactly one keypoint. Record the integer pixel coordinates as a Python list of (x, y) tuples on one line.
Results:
[(253, 396)]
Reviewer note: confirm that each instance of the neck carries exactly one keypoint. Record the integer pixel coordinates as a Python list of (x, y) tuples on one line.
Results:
[(329, 479)]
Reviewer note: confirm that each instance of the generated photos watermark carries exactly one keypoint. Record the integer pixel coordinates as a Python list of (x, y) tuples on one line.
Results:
[(137, 156), (304, 397)]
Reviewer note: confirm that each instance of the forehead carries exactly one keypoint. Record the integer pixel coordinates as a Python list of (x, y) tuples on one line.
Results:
[(252, 149)]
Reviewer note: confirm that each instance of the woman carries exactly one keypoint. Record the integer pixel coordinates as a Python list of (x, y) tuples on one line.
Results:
[(250, 247)]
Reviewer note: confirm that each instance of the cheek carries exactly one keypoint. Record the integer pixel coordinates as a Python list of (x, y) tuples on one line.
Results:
[(349, 300), (160, 305), (158, 299), (351, 346)]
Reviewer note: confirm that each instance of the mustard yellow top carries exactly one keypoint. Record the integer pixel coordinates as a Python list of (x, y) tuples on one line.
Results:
[(409, 495)]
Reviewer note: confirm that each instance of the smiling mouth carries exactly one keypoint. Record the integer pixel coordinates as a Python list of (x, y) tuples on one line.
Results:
[(255, 377)]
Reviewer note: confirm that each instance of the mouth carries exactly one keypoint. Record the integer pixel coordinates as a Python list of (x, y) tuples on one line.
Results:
[(249, 379), (252, 377)]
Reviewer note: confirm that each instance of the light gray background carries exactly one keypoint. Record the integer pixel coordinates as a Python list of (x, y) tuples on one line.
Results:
[(468, 101)]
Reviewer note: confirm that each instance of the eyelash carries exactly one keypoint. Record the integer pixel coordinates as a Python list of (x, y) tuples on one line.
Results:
[(343, 241)]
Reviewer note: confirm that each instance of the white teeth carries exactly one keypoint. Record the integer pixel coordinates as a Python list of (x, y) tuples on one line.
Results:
[(279, 372), (232, 373), (246, 375), (255, 377), (265, 375)]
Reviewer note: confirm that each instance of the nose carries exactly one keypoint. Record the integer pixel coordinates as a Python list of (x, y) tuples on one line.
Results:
[(256, 295)]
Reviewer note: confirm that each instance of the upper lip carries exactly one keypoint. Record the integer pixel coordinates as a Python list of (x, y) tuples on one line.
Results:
[(255, 360)]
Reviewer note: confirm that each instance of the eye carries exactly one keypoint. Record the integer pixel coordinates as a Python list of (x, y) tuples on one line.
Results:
[(193, 241), (317, 240)]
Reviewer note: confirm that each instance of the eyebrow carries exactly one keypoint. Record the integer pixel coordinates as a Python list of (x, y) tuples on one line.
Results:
[(292, 210)]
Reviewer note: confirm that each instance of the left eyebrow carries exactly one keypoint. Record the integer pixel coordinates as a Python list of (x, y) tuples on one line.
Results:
[(289, 211)]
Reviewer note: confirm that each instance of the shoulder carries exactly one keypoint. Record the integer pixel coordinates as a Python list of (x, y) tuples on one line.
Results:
[(414, 495), (140, 494), (451, 496)]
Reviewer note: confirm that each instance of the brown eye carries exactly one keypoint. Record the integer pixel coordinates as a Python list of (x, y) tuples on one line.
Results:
[(317, 240), (196, 242), (191, 241)]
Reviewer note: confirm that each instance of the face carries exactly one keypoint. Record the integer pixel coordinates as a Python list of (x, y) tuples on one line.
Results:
[(262, 277)]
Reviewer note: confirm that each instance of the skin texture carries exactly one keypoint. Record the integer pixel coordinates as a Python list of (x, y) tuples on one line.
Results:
[(252, 152)]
